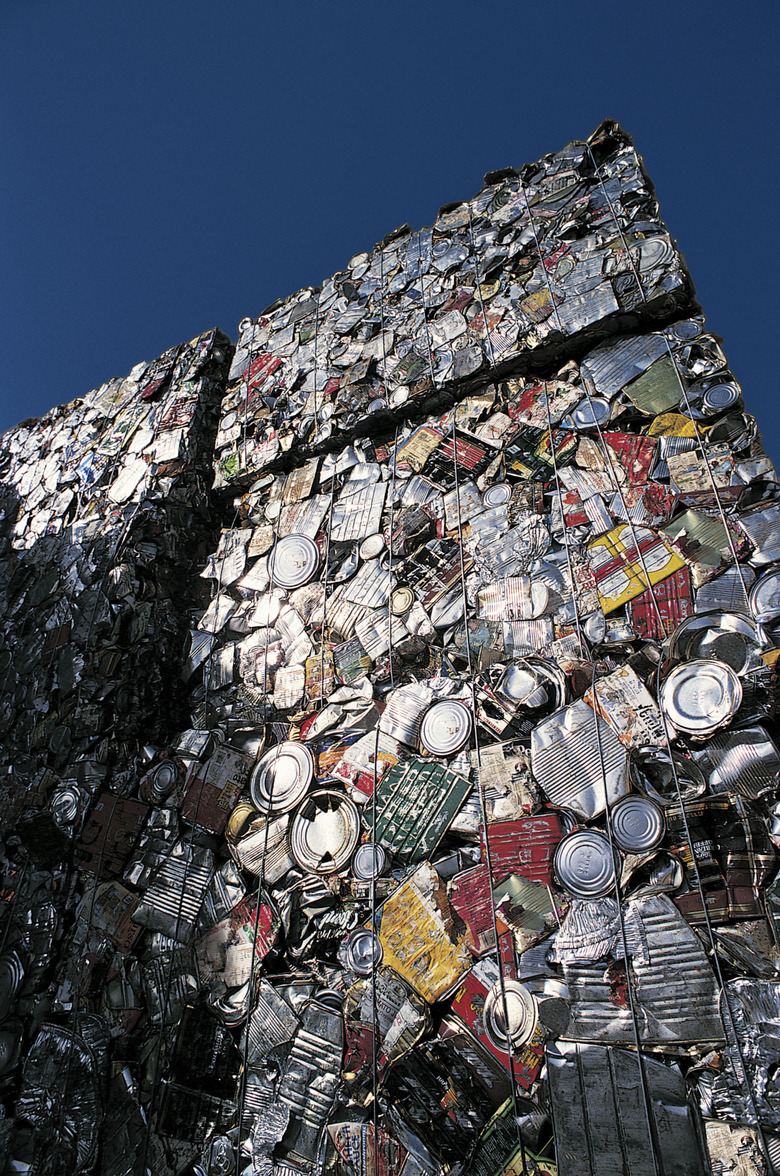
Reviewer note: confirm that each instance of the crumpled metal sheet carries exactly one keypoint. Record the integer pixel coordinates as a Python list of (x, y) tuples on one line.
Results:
[(675, 991), (600, 1125)]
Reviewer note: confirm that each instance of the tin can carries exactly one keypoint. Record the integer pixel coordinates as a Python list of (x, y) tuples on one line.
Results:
[(281, 777), (637, 824), (765, 597), (510, 1014), (324, 832), (446, 727), (585, 865), (401, 601), (362, 951), (369, 862), (497, 495), (372, 546), (700, 696), (294, 561)]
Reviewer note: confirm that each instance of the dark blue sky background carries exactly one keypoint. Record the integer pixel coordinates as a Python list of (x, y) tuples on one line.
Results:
[(173, 165)]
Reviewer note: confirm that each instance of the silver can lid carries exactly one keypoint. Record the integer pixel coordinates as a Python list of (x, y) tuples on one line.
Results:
[(162, 780), (401, 601), (701, 695), (497, 494), (719, 397), (294, 561), (592, 412), (584, 864), (654, 251), (281, 777), (446, 727), (370, 861), (637, 824), (324, 832), (765, 597), (372, 546), (510, 1014), (363, 951)]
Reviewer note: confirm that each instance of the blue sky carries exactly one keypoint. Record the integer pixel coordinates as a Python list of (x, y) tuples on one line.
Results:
[(175, 165)]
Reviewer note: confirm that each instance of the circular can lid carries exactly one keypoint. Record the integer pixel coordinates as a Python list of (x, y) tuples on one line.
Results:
[(497, 494), (372, 546), (163, 780), (687, 329), (294, 561), (446, 727), (637, 824), (701, 695), (370, 861), (510, 1014), (363, 951), (765, 597), (281, 777), (584, 864), (719, 396), (654, 251), (588, 413), (324, 832), (401, 601)]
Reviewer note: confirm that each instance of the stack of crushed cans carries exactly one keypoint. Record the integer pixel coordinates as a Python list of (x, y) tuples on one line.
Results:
[(400, 799)]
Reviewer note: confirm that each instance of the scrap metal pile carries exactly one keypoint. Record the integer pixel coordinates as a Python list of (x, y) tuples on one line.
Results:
[(445, 842)]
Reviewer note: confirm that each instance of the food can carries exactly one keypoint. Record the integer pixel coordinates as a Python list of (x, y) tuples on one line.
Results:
[(585, 865), (765, 597), (637, 824), (446, 727), (510, 1014), (369, 862), (372, 546), (701, 695), (281, 777), (591, 412), (294, 561), (401, 601), (363, 951), (497, 494), (324, 832)]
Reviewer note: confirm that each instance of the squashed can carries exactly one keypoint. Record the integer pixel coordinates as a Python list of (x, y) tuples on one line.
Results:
[(584, 864), (445, 727), (701, 695), (637, 824), (281, 777), (294, 561)]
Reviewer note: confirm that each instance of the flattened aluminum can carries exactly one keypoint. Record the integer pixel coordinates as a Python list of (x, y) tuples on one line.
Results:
[(699, 696), (510, 1014), (294, 561), (370, 861), (584, 864), (281, 777), (446, 727), (324, 832), (637, 824)]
